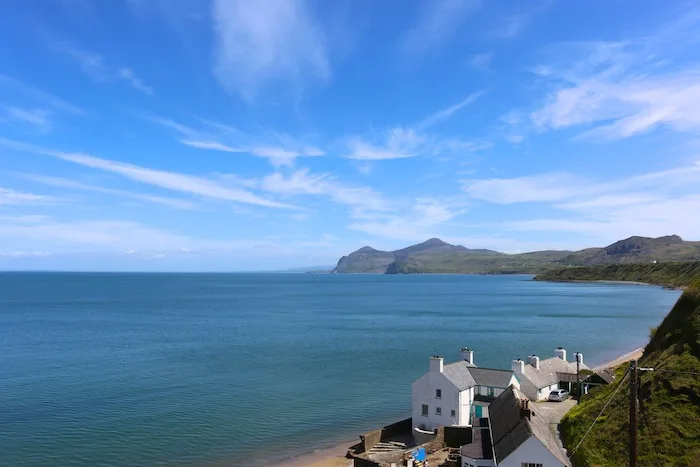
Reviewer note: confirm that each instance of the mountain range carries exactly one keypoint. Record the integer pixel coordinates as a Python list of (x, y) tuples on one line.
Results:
[(435, 256)]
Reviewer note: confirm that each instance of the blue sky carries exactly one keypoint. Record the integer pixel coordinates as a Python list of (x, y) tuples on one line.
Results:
[(244, 135)]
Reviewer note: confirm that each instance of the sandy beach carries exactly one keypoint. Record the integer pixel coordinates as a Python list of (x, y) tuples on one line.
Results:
[(633, 355), (330, 457)]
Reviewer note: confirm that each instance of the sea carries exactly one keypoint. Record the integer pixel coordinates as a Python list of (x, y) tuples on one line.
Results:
[(245, 369)]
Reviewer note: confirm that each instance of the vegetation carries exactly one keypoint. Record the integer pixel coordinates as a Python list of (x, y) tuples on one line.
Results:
[(436, 256), (668, 274), (669, 400)]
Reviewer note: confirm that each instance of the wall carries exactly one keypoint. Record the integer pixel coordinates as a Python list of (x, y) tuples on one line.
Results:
[(531, 451), (423, 392), (457, 436), (464, 415), (543, 393), (371, 438), (469, 462)]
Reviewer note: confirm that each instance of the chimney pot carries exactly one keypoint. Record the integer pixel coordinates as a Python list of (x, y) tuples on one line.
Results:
[(467, 355), (561, 353), (518, 366), (437, 364)]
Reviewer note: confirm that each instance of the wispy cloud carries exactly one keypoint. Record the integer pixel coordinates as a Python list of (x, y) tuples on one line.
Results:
[(45, 98), (621, 89), (212, 145), (9, 196), (480, 62), (407, 142), (95, 66), (437, 21), (183, 183), (39, 118), (447, 112), (60, 182), (361, 199), (279, 150), (263, 42), (649, 203), (512, 26)]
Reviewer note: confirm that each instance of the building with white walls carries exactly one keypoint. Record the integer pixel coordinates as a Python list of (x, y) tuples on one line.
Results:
[(455, 393), (538, 377), (514, 435)]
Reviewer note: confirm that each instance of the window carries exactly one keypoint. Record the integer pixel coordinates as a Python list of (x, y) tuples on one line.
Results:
[(490, 391), (424, 410), (438, 394), (453, 413), (530, 464), (438, 410)]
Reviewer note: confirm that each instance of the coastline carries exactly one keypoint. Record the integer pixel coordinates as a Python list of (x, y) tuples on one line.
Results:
[(334, 456), (633, 355)]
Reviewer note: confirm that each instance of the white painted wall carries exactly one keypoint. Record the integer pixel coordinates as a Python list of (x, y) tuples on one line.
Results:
[(543, 394), (531, 451), (423, 392)]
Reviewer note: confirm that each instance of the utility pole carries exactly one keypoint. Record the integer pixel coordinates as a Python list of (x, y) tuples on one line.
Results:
[(578, 377), (633, 413)]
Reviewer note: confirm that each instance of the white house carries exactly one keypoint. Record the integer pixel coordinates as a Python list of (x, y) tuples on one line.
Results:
[(539, 377), (453, 394), (513, 436)]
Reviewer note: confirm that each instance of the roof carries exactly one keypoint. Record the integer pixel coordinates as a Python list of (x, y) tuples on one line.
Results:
[(510, 429), (459, 374), (569, 377), (491, 377), (548, 372), (480, 447), (606, 375)]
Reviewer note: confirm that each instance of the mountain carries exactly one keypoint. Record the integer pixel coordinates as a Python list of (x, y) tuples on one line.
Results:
[(436, 256), (636, 250), (669, 400)]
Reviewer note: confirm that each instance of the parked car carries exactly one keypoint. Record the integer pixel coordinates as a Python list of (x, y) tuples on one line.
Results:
[(558, 395)]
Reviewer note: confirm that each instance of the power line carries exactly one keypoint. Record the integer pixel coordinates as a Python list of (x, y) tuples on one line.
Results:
[(696, 373), (601, 413)]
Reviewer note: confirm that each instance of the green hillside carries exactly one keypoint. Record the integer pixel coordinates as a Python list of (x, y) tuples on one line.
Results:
[(669, 402), (669, 274)]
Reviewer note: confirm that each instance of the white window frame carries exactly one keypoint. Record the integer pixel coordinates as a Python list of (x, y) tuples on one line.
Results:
[(453, 413), (425, 410), (438, 394), (438, 410)]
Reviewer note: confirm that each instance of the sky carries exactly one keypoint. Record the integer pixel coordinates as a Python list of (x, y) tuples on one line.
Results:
[(226, 135)]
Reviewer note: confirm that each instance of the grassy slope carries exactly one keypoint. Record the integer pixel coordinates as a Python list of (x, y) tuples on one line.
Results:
[(669, 419), (671, 274)]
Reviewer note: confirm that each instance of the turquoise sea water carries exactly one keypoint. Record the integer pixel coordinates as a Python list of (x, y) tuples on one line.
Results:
[(239, 369)]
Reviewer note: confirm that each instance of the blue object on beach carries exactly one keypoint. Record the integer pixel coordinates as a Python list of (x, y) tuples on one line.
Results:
[(419, 454)]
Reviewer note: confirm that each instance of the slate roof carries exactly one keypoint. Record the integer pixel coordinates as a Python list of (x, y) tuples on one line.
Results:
[(480, 447), (509, 429), (547, 374), (459, 373), (491, 377)]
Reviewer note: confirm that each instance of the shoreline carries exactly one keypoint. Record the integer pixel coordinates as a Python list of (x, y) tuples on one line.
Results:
[(334, 456), (624, 358)]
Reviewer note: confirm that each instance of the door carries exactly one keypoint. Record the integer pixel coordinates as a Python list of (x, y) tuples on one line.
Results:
[(478, 411)]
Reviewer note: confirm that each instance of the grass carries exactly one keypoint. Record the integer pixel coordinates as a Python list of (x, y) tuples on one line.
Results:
[(669, 403), (669, 274)]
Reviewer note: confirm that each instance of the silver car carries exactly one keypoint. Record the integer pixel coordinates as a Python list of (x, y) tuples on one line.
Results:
[(558, 395)]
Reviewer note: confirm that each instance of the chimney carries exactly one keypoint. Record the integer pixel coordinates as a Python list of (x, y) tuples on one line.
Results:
[(525, 409), (534, 360), (436, 364), (561, 353), (467, 354), (518, 367), (579, 357)]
